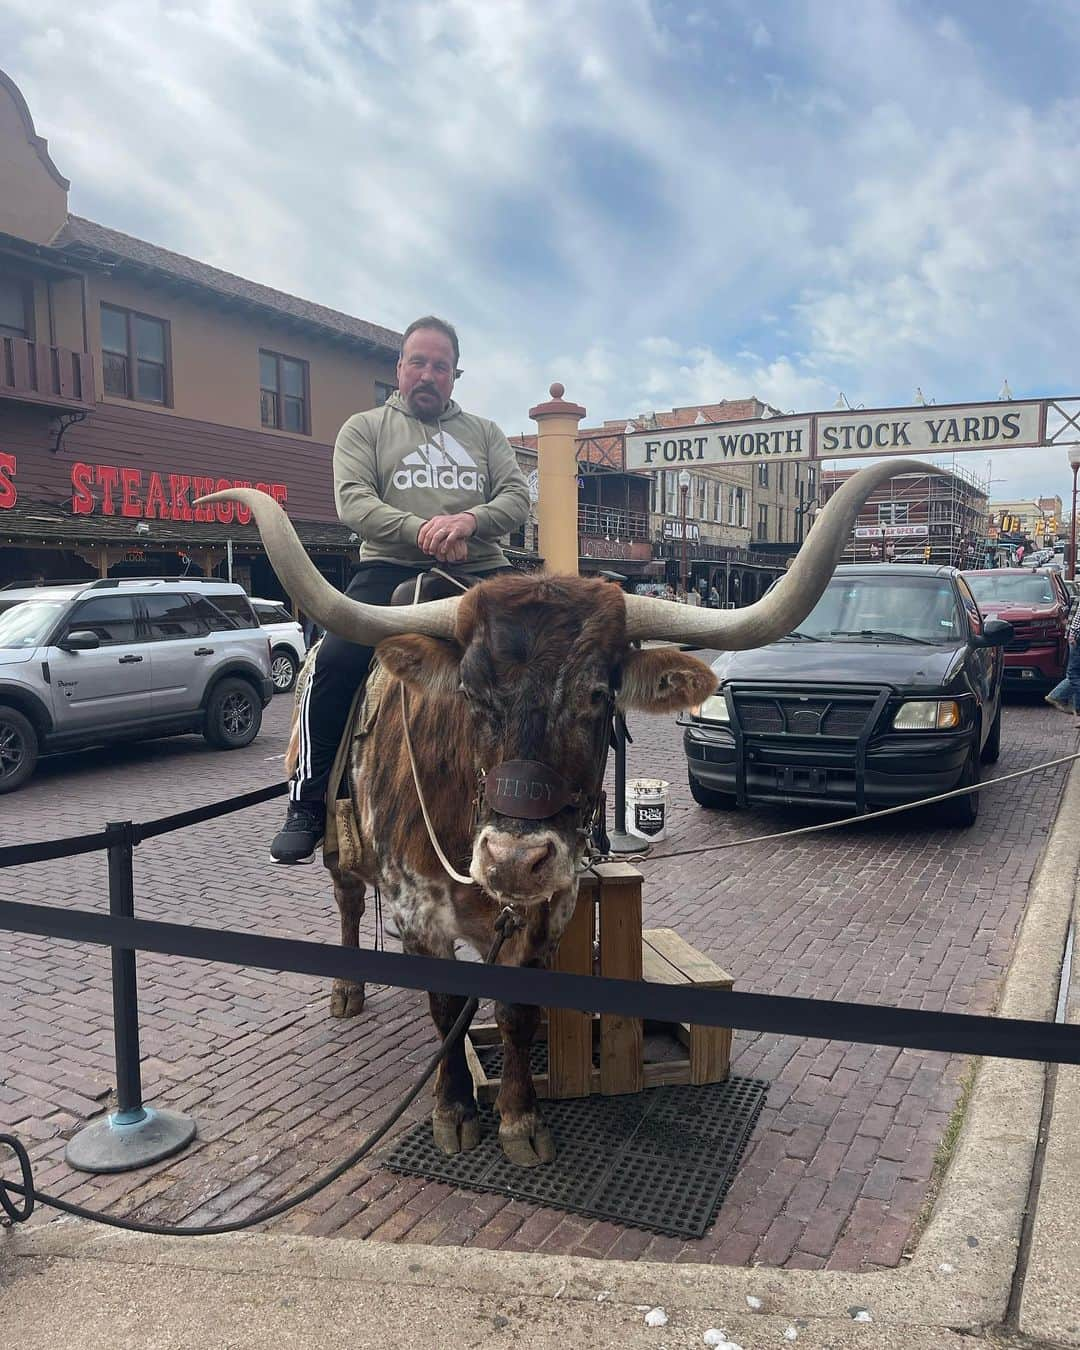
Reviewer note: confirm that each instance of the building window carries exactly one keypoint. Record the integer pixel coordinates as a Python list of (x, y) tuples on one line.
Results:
[(892, 513), (718, 504), (763, 475), (736, 507), (15, 308), (702, 486), (134, 355), (763, 521), (283, 392), (383, 392), (780, 476)]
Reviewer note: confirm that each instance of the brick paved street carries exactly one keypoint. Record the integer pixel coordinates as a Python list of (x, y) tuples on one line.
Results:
[(838, 1168)]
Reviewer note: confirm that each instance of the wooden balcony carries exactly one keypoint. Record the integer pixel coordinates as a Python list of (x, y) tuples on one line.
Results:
[(52, 377)]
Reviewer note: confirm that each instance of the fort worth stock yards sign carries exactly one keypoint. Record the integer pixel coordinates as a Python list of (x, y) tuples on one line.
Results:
[(854, 434)]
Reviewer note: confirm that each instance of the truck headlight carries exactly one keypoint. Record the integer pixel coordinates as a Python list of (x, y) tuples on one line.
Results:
[(714, 709), (927, 715)]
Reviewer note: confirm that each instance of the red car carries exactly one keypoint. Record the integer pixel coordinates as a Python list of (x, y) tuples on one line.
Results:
[(1036, 603)]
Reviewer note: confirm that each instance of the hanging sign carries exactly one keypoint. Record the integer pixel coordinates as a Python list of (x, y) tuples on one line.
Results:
[(889, 531), (856, 434), (910, 431), (725, 443)]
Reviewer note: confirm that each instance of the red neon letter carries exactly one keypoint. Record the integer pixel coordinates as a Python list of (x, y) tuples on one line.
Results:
[(178, 490), (8, 495), (82, 499), (157, 508), (131, 482), (201, 487), (224, 509), (109, 477)]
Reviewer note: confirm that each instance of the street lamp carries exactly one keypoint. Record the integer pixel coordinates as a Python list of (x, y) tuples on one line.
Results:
[(684, 492), (1074, 461)]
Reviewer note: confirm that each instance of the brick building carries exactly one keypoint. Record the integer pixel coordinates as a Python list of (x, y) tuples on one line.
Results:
[(917, 517), (132, 379)]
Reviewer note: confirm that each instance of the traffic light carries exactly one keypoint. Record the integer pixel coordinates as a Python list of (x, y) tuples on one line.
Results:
[(1052, 525)]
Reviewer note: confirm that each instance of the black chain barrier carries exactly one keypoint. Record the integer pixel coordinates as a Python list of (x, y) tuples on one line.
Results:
[(911, 1028)]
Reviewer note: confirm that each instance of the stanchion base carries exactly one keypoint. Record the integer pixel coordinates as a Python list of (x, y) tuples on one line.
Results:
[(111, 1145), (620, 842)]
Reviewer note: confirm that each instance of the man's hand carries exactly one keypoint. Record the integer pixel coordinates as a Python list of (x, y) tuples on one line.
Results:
[(445, 536)]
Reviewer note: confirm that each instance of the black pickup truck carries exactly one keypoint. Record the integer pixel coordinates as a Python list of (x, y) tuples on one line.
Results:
[(890, 691)]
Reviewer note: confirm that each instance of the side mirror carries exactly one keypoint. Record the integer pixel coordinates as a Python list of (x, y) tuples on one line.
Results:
[(995, 633), (82, 640)]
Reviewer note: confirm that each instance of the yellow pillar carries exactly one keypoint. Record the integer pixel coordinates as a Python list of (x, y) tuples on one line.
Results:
[(556, 455)]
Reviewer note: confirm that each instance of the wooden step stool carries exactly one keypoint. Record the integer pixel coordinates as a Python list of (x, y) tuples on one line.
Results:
[(608, 915), (668, 958)]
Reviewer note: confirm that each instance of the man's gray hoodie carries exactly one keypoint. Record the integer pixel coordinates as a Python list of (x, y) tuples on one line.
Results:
[(392, 472)]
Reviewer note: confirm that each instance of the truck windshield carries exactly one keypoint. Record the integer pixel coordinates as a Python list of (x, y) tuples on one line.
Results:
[(25, 624), (885, 608), (1011, 590)]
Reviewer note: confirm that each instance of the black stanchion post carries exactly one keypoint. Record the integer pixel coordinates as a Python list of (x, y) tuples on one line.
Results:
[(620, 840), (124, 981), (133, 1135)]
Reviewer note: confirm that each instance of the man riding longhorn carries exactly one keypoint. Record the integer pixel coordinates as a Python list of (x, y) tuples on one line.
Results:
[(422, 483)]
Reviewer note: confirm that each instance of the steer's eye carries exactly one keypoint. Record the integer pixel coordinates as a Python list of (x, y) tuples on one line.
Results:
[(600, 695)]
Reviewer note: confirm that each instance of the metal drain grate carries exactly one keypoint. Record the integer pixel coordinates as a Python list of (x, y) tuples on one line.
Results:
[(662, 1159)]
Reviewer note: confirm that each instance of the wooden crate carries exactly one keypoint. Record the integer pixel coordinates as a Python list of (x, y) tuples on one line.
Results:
[(668, 958), (660, 1073)]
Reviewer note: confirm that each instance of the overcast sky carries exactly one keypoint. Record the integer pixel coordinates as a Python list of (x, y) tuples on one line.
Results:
[(655, 203)]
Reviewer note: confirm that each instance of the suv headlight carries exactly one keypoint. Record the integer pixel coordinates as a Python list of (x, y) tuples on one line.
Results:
[(927, 715), (714, 709)]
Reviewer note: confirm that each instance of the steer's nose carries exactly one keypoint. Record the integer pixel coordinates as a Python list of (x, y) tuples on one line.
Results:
[(515, 866)]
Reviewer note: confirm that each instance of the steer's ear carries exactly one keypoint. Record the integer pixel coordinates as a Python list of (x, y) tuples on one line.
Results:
[(664, 680), (428, 665)]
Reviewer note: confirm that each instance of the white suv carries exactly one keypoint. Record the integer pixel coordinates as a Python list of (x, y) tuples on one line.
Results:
[(92, 662), (287, 645)]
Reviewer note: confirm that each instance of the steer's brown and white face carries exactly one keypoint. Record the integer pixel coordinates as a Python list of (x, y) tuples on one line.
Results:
[(540, 663)]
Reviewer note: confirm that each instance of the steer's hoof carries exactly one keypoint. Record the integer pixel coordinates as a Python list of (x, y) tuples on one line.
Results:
[(346, 999), (529, 1145), (455, 1132)]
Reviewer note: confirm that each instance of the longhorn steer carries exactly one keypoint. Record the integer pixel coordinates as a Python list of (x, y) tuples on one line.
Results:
[(521, 668)]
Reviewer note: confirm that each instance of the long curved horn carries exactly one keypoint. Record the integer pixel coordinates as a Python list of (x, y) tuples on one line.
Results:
[(795, 595), (366, 624)]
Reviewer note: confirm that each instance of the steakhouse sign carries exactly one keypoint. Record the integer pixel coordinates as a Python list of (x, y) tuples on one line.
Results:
[(116, 490), (884, 431)]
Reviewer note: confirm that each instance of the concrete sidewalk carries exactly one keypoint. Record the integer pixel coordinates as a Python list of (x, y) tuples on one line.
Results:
[(977, 1273)]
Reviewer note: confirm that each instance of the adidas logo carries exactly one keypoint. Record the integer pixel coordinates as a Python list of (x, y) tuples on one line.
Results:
[(448, 466)]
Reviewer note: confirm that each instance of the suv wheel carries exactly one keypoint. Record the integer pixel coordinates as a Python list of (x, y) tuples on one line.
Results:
[(992, 749), (18, 749), (704, 796), (233, 715), (283, 669), (962, 811)]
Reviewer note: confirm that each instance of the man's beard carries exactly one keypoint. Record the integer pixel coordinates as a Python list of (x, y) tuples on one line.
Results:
[(432, 405)]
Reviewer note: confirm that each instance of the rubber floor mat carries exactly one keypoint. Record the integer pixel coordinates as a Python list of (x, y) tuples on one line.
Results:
[(662, 1159)]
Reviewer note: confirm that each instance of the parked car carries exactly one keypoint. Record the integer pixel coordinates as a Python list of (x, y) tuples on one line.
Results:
[(287, 645), (94, 662), (889, 691), (1036, 603)]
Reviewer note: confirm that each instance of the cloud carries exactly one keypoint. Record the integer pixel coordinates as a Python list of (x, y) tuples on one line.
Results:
[(645, 201)]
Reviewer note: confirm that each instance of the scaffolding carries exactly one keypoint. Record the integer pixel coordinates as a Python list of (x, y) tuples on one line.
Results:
[(934, 518)]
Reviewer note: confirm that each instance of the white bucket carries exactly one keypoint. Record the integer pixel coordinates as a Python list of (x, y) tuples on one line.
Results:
[(646, 808)]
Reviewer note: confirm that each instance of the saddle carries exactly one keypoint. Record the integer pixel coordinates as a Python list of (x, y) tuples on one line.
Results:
[(343, 843)]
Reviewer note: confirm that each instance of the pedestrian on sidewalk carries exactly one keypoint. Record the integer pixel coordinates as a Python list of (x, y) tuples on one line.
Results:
[(1066, 695)]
